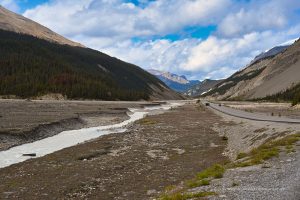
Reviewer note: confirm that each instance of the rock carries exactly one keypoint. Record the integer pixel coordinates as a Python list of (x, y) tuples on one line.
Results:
[(29, 154), (150, 192), (266, 165)]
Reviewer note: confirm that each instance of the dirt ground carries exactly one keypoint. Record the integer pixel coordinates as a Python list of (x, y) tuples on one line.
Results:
[(23, 121), (276, 109), (277, 178), (244, 135), (156, 152)]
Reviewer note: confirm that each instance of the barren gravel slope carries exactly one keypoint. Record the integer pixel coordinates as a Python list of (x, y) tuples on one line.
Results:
[(280, 74), (275, 75)]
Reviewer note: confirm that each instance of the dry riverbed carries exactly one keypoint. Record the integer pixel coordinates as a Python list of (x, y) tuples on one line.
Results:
[(23, 121), (157, 151)]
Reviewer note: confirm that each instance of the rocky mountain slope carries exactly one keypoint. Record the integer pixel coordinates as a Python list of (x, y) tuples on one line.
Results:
[(265, 77), (34, 61), (17, 23), (270, 53), (174, 81), (201, 87)]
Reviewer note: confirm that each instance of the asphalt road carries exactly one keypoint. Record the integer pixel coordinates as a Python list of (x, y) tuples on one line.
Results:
[(251, 116)]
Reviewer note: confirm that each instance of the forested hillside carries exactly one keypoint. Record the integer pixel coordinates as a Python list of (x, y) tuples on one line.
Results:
[(30, 67)]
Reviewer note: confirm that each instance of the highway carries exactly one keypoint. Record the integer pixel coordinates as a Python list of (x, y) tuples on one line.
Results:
[(248, 115)]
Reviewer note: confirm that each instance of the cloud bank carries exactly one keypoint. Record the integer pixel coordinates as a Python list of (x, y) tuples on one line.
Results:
[(143, 32)]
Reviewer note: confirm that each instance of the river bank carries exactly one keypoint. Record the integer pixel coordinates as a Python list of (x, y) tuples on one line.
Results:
[(70, 138), (23, 121)]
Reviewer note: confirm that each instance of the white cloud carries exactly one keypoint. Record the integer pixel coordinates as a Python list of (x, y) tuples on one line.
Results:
[(10, 4), (159, 54), (211, 58), (214, 55), (244, 22), (215, 52), (135, 33), (258, 15), (104, 18)]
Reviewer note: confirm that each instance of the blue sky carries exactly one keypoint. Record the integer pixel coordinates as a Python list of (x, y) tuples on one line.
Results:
[(28, 4), (198, 38)]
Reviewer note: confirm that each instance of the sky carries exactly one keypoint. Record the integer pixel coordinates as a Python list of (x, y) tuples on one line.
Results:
[(197, 38)]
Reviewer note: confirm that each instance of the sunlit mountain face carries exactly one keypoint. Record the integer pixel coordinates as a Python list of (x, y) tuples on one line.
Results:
[(174, 81)]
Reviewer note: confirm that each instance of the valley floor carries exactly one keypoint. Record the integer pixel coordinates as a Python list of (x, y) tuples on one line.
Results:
[(158, 152)]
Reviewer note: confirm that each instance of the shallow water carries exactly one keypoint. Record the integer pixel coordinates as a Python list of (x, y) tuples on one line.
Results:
[(71, 138)]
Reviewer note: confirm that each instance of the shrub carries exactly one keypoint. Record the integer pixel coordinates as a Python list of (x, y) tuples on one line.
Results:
[(225, 138), (241, 155), (216, 171)]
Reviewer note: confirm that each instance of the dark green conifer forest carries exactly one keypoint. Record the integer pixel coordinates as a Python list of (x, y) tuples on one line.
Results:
[(31, 67)]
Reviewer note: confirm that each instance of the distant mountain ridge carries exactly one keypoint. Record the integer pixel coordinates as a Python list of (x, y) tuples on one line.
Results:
[(174, 81), (201, 88), (270, 53)]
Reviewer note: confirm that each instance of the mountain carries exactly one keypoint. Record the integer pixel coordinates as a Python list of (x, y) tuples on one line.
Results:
[(174, 81), (10, 21), (34, 64), (271, 77), (207, 85), (270, 53), (201, 87)]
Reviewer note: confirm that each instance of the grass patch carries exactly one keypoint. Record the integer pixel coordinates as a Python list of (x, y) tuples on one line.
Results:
[(147, 121), (268, 150), (290, 149), (197, 183), (216, 171), (241, 155), (203, 178), (260, 130), (185, 196), (170, 188), (204, 182)]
